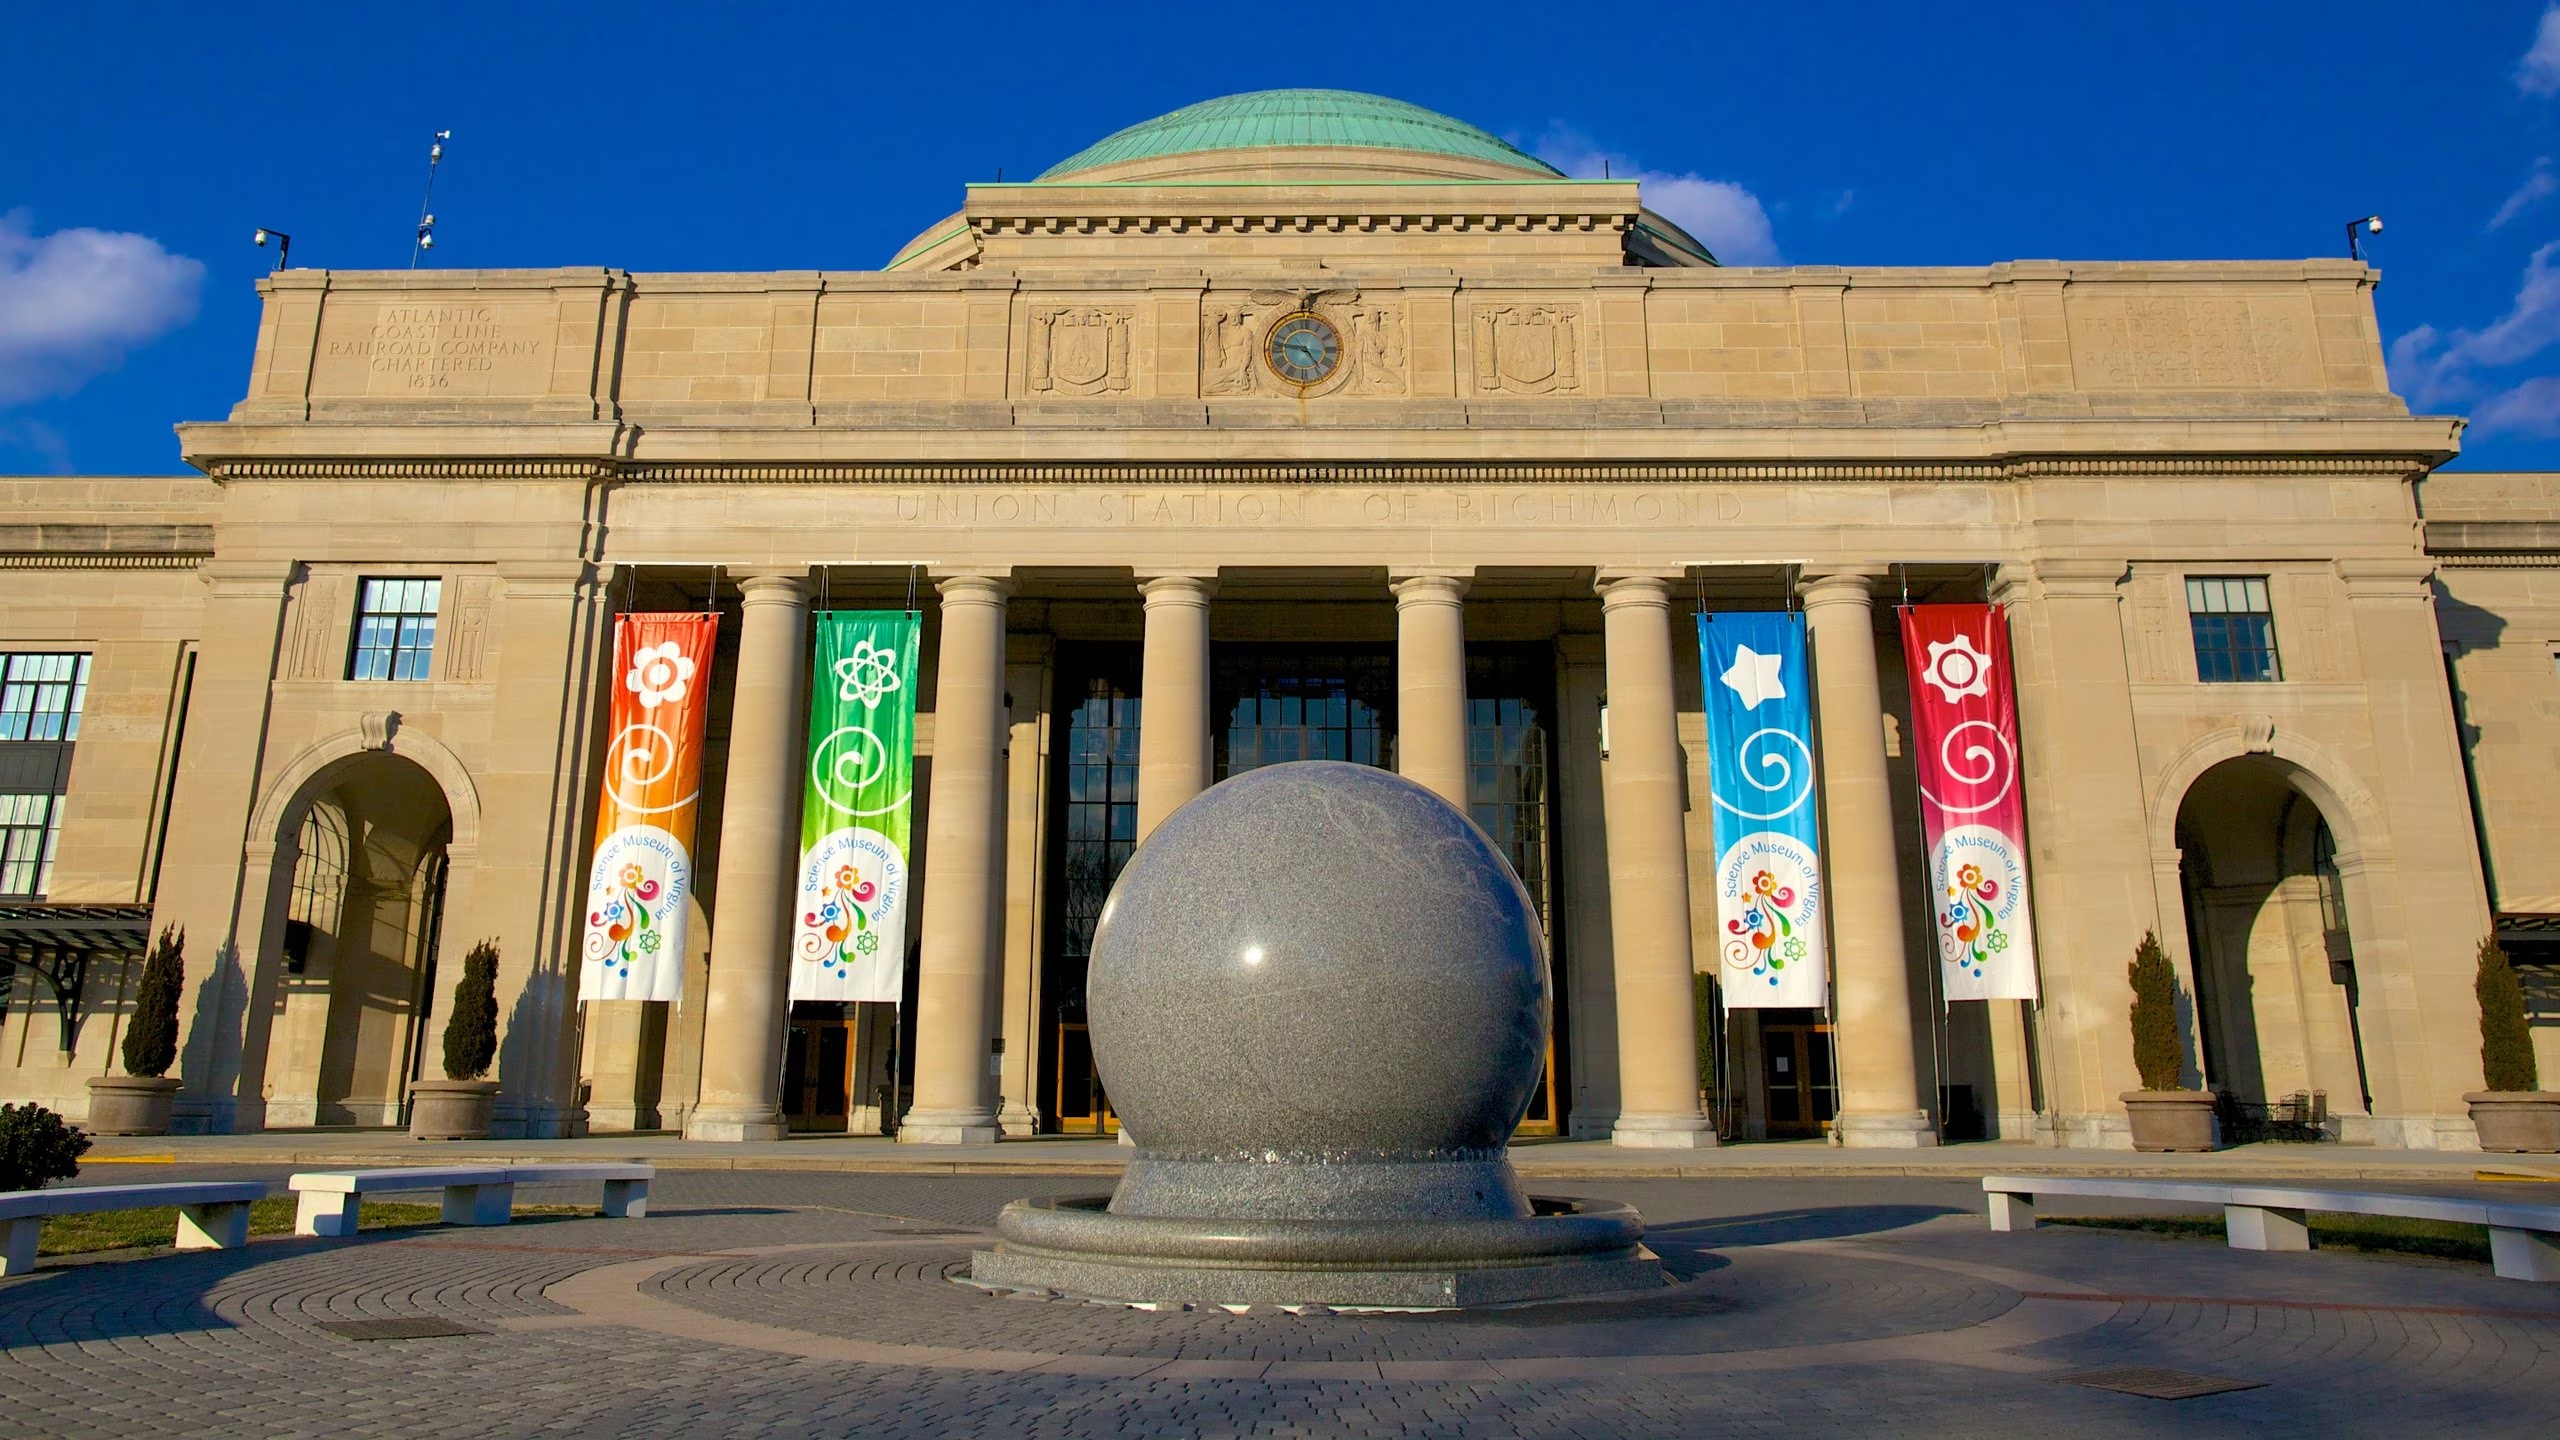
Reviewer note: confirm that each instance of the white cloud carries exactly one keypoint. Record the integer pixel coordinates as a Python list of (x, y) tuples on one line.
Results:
[(2538, 73), (73, 303), (2535, 188), (2432, 367), (1725, 217), (2532, 408)]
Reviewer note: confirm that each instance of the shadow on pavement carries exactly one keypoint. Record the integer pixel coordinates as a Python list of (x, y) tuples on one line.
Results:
[(1777, 1227)]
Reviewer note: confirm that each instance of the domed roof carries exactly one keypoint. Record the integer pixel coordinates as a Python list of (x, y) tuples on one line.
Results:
[(1327, 119)]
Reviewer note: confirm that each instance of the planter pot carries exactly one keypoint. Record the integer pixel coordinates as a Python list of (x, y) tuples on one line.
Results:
[(451, 1109), (130, 1104), (2516, 1121), (2170, 1119)]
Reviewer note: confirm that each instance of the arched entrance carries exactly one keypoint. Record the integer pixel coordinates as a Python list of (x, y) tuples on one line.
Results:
[(2276, 993), (359, 925)]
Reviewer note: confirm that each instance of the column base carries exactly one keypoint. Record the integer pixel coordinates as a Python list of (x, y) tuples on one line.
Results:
[(1663, 1132), (707, 1123), (1908, 1130), (949, 1127)]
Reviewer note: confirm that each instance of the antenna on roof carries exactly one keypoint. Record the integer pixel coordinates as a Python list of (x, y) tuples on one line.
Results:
[(426, 217)]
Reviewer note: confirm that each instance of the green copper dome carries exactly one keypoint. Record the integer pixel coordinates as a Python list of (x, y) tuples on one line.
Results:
[(1344, 119)]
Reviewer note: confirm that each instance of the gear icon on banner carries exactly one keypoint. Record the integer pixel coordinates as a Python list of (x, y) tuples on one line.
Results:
[(867, 674), (1957, 670)]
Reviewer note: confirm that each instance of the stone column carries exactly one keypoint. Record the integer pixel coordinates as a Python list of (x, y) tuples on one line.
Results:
[(1173, 690), (759, 840), (1871, 971), (1431, 684), (955, 998), (1648, 874)]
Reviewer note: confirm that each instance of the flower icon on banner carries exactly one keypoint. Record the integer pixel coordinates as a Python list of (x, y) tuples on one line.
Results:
[(1957, 670), (660, 675), (867, 674)]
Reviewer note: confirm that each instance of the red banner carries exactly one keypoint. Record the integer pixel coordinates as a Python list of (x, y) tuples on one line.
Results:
[(641, 883), (1972, 805)]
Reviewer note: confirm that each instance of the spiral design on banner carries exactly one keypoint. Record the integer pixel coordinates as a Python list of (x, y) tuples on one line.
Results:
[(1974, 765), (643, 756), (846, 762), (1793, 781)]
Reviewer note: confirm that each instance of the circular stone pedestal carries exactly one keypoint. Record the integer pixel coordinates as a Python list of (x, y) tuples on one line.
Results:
[(1319, 999)]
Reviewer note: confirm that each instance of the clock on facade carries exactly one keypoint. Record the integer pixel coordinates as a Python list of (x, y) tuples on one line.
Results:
[(1303, 349)]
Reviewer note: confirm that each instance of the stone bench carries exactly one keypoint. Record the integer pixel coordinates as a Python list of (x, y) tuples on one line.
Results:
[(473, 1194), (2524, 1240), (212, 1215)]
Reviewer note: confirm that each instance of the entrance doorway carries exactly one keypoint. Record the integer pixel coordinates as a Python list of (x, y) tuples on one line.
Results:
[(1510, 694), (817, 1070), (2276, 993), (1803, 1096), (1083, 1108), (1096, 782), (358, 922)]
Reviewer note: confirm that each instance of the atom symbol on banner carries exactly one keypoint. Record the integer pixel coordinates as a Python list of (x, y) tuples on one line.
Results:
[(868, 673)]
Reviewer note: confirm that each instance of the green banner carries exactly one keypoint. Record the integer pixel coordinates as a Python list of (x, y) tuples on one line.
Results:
[(856, 805)]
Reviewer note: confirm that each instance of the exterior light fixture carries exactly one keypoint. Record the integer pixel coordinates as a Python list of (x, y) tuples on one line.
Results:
[(2371, 224), (284, 244), (426, 217)]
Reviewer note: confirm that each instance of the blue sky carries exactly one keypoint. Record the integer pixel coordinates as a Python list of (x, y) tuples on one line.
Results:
[(144, 143)]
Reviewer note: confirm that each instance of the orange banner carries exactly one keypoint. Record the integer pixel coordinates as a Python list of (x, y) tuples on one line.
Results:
[(639, 889)]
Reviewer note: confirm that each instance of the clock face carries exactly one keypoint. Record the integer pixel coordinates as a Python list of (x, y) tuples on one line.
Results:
[(1303, 349)]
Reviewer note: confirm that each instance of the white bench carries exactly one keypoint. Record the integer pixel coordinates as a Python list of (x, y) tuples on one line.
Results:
[(212, 1215), (2524, 1240), (473, 1194)]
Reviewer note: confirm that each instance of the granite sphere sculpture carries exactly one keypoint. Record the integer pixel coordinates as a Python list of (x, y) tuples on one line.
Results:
[(1319, 1002)]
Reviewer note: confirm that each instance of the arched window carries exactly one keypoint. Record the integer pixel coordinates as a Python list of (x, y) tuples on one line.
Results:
[(319, 883)]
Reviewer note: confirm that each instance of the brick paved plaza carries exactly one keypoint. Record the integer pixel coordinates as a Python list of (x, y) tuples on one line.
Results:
[(779, 1302)]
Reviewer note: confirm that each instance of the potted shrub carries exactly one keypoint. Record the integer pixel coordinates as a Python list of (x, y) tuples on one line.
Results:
[(36, 1147), (2514, 1113), (457, 1107), (138, 1101), (2164, 1117)]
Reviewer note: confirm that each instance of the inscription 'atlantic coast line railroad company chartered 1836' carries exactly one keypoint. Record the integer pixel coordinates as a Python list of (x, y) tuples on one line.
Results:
[(428, 345)]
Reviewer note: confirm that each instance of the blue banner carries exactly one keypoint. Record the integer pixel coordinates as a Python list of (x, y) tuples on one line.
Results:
[(1768, 875)]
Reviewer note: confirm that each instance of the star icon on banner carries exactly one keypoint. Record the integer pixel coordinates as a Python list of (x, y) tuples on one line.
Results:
[(1754, 677), (868, 673)]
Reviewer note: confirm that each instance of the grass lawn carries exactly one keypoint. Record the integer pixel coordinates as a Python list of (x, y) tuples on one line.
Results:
[(2377, 1234), (125, 1229)]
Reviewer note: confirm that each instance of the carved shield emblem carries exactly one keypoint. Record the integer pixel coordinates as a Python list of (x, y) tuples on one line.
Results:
[(1528, 350), (1080, 349)]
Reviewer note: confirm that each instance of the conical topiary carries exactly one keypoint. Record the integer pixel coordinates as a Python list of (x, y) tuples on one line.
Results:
[(151, 1040), (2156, 1056), (471, 1031), (2506, 1043)]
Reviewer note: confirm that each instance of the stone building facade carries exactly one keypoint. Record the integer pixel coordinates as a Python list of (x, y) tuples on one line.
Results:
[(344, 692)]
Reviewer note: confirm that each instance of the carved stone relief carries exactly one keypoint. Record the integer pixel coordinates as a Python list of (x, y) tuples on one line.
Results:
[(1375, 353), (2314, 630), (1528, 349), (318, 600), (1080, 350), (466, 656), (2155, 655)]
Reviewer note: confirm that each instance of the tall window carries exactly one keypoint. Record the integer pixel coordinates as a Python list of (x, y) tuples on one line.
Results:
[(1101, 805), (396, 630), (2234, 628), (41, 697), (1281, 703)]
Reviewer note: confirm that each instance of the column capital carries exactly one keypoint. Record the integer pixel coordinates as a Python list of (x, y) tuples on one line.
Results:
[(976, 588), (1432, 587), (1618, 587), (774, 587), (1846, 586), (1177, 587)]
